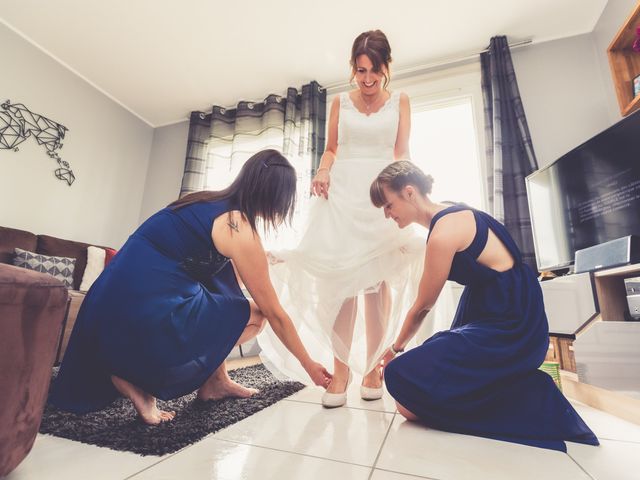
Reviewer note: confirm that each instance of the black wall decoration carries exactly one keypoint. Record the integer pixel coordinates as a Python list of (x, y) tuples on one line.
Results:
[(17, 123)]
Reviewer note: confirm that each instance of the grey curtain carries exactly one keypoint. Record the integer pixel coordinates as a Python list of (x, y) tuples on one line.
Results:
[(221, 141), (509, 151)]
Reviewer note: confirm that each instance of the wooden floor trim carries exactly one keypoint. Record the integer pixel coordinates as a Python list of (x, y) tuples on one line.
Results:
[(621, 406)]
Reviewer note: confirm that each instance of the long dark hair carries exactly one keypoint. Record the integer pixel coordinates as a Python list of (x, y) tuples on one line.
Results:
[(265, 188)]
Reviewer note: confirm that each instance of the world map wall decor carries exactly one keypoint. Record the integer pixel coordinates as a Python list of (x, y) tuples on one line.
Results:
[(17, 123)]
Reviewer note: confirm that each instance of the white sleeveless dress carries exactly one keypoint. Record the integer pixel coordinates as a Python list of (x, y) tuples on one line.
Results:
[(348, 249)]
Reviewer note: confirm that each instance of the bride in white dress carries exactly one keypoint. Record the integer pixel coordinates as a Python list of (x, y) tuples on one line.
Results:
[(352, 278)]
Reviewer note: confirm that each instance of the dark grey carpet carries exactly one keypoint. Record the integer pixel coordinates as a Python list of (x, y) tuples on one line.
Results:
[(118, 427)]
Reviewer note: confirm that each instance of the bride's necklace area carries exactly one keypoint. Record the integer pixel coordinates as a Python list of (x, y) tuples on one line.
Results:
[(369, 105)]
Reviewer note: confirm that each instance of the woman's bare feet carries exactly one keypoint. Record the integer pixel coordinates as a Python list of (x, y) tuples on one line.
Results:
[(225, 389), (219, 386), (144, 403)]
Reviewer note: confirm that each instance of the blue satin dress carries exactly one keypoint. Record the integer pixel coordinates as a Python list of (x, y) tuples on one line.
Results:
[(481, 377), (163, 315)]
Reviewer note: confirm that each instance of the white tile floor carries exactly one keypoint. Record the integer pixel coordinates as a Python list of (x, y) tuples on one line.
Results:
[(298, 439)]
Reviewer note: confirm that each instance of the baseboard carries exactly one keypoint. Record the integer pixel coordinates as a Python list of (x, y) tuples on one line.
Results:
[(621, 406)]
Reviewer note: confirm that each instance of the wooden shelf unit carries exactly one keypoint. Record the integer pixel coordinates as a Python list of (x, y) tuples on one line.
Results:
[(611, 292), (561, 352), (625, 63)]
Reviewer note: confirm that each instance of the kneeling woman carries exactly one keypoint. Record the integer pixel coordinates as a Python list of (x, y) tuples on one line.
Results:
[(166, 312), (480, 377)]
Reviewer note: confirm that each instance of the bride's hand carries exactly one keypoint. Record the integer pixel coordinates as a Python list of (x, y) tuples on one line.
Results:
[(320, 183)]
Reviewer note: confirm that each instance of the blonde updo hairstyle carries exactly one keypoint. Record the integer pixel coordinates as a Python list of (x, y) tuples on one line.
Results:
[(395, 177)]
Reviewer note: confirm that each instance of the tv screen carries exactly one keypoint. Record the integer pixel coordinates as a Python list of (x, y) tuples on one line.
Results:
[(589, 196)]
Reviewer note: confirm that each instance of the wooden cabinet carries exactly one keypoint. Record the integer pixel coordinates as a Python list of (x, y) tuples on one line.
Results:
[(561, 351), (611, 292), (625, 63)]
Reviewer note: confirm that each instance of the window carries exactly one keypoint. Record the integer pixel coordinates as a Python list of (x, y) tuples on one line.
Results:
[(444, 144)]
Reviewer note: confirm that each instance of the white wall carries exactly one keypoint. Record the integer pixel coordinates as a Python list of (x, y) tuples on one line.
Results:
[(166, 165), (108, 149), (563, 94), (566, 85)]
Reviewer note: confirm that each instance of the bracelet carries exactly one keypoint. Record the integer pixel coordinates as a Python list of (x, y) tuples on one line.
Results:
[(322, 168), (394, 351)]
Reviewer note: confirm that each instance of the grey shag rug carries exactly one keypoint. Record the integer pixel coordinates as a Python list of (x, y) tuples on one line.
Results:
[(119, 428)]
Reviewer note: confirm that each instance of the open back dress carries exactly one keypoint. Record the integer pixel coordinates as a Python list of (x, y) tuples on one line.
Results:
[(481, 376)]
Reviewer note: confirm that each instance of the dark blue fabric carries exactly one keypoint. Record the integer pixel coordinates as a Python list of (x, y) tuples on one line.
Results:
[(163, 315), (481, 377)]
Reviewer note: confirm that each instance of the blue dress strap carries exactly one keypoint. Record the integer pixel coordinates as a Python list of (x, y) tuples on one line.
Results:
[(452, 209), (484, 223), (482, 233)]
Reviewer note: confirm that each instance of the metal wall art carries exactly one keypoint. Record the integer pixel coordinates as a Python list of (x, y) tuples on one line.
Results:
[(17, 123)]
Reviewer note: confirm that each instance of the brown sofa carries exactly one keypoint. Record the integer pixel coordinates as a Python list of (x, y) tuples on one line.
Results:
[(32, 309), (11, 238)]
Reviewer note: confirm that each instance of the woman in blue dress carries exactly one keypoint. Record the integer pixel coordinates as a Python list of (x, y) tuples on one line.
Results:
[(166, 312), (481, 376)]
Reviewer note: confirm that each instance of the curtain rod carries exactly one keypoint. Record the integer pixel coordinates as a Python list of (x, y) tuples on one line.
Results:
[(337, 87)]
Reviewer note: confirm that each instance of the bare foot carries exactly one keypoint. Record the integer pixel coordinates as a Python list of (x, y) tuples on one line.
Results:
[(144, 403), (373, 379), (225, 388)]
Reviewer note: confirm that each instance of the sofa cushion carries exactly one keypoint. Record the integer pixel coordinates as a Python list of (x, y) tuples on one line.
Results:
[(58, 267), (58, 247), (11, 238)]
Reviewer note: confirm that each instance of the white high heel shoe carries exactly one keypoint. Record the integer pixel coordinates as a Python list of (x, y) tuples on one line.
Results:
[(369, 393), (333, 400)]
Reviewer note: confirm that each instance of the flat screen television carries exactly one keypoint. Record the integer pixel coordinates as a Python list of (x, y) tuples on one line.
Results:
[(588, 196)]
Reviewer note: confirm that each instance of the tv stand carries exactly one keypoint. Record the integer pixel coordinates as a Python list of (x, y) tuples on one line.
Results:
[(606, 351)]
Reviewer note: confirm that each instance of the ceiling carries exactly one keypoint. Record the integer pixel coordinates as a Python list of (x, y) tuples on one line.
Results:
[(161, 59)]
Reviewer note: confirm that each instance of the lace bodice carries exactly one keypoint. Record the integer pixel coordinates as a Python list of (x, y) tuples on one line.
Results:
[(371, 136)]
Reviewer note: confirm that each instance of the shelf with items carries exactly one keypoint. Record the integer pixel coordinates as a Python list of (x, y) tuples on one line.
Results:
[(611, 292), (625, 63)]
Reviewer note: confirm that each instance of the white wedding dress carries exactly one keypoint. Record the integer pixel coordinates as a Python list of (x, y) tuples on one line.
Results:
[(349, 250)]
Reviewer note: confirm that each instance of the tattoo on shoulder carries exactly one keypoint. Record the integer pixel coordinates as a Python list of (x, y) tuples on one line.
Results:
[(233, 224)]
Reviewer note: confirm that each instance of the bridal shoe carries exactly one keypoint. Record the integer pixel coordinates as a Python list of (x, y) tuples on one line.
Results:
[(368, 393), (333, 400)]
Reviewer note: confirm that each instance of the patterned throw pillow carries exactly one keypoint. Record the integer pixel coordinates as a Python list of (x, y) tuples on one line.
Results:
[(60, 267)]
